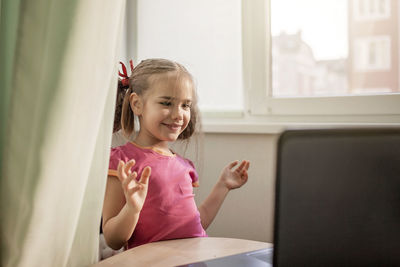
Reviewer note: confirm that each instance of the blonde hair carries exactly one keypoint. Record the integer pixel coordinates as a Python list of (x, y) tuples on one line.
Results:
[(139, 83)]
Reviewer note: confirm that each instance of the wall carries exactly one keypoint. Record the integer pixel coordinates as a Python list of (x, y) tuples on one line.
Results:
[(247, 212)]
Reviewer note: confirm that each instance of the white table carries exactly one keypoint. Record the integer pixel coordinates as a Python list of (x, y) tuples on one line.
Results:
[(181, 251)]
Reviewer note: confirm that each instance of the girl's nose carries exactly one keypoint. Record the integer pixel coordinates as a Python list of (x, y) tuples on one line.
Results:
[(177, 113)]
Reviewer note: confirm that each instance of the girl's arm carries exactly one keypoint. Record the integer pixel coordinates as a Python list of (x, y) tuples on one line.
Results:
[(229, 179), (123, 201)]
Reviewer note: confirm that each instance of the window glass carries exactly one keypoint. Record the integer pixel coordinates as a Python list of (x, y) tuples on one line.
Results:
[(334, 47), (205, 36)]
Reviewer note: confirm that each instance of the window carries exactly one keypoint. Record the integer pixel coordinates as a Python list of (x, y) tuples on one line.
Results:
[(371, 9), (205, 36), (280, 61), (372, 54), (309, 58), (313, 66)]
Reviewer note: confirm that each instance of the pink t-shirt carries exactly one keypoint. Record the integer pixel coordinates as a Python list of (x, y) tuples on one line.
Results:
[(169, 211)]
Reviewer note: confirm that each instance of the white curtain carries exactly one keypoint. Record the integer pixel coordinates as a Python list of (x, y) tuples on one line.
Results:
[(58, 86)]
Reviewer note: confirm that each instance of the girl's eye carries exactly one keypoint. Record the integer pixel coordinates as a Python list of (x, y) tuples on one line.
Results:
[(165, 103), (186, 106)]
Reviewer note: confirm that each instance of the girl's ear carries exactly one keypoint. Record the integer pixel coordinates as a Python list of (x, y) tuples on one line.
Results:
[(136, 104)]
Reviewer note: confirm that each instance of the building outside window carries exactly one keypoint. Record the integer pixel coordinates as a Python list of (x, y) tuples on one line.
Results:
[(324, 49), (371, 9)]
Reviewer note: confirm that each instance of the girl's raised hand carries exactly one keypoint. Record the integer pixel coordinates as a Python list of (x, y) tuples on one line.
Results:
[(235, 178), (135, 191)]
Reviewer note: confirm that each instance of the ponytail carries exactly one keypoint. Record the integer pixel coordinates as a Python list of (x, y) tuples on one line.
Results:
[(121, 90)]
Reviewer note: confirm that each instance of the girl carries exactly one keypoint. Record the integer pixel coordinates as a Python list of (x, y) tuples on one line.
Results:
[(149, 195)]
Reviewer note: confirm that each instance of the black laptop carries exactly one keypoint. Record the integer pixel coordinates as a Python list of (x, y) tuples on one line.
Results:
[(337, 201)]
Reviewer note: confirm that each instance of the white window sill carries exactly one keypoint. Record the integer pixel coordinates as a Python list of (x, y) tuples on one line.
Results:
[(236, 124)]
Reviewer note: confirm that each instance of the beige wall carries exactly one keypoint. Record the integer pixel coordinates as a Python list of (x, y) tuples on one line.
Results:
[(247, 212)]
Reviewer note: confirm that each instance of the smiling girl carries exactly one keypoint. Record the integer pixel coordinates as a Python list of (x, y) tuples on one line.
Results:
[(149, 194)]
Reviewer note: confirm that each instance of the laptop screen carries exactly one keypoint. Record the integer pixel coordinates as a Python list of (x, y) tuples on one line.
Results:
[(338, 198)]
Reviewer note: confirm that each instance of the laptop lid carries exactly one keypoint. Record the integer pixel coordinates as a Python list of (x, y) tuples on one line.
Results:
[(338, 198)]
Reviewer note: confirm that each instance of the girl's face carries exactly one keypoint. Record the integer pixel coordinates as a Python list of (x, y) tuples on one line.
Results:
[(165, 111)]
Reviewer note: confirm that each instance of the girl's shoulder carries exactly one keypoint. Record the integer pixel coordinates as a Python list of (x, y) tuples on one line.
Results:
[(190, 168), (186, 161), (125, 153)]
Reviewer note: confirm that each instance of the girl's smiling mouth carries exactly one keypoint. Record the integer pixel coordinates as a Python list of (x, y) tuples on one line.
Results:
[(172, 126)]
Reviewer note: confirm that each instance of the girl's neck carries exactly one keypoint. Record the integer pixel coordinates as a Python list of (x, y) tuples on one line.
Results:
[(145, 142)]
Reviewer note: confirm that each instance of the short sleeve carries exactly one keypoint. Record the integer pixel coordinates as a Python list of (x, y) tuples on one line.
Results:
[(115, 156), (193, 174)]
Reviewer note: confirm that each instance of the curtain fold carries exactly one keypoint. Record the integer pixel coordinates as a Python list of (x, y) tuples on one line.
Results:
[(57, 135), (9, 13)]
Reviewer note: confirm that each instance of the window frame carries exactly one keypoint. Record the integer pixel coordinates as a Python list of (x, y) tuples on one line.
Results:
[(257, 77), (263, 113)]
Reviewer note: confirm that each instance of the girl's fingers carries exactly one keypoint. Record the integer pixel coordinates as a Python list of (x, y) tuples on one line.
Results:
[(247, 166), (120, 174), (129, 165), (144, 178), (241, 166), (233, 164), (245, 178), (129, 179), (124, 169)]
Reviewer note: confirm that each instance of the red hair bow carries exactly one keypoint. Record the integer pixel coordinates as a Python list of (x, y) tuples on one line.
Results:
[(124, 74)]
